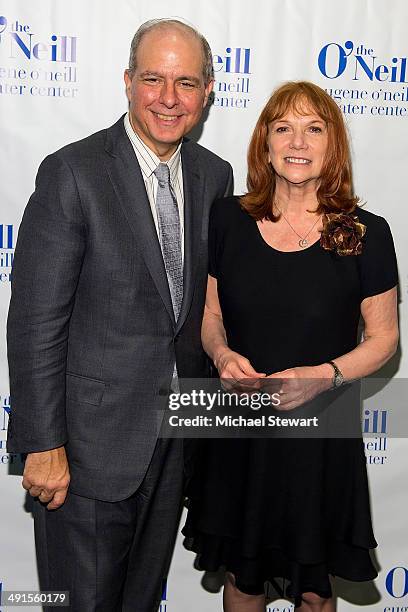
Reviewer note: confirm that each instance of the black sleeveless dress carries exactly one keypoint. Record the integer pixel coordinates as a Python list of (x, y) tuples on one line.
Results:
[(292, 508)]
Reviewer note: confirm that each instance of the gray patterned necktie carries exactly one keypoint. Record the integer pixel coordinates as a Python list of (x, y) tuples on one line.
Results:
[(170, 235)]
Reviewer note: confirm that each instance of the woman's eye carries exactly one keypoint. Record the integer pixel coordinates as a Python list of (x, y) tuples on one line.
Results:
[(281, 129), (315, 129)]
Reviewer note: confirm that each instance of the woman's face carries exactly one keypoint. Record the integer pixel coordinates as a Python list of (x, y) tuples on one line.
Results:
[(297, 146)]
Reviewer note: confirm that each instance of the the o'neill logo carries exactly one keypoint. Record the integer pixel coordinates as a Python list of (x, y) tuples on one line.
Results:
[(6, 251), (372, 86), (6, 237), (375, 422), (6, 411), (21, 42), (232, 78), (6, 458), (375, 429), (235, 60), (36, 64), (4, 418), (362, 63), (396, 582), (163, 604)]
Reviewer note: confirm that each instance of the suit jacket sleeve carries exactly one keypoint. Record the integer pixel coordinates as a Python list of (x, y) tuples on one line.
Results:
[(229, 188), (46, 268)]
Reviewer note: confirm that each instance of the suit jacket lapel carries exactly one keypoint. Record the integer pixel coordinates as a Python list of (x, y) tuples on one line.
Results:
[(193, 186), (129, 186)]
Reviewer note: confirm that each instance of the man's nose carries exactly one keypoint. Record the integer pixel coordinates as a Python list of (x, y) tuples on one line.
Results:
[(168, 94)]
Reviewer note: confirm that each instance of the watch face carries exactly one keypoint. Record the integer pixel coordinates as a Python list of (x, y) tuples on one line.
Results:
[(338, 380)]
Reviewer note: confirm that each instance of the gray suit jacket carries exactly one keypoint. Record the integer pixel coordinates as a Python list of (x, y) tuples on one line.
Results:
[(91, 332)]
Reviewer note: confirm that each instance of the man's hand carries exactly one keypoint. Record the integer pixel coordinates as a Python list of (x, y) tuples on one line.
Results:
[(300, 385), (46, 476)]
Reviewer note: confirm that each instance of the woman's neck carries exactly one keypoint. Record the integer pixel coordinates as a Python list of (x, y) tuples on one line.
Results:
[(296, 199)]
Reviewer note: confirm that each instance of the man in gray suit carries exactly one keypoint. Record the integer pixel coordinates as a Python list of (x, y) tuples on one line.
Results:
[(107, 299)]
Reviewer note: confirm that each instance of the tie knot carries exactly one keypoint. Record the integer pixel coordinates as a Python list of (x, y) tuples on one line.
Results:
[(162, 173)]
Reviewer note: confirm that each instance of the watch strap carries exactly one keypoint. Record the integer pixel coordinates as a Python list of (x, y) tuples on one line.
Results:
[(338, 378)]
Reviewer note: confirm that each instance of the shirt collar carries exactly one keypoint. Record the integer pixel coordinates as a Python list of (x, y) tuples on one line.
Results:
[(148, 160)]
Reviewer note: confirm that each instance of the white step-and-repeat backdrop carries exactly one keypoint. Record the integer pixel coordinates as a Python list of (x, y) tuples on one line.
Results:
[(61, 78)]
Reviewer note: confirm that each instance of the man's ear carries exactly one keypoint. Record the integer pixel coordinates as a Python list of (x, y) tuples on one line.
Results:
[(128, 82), (208, 89)]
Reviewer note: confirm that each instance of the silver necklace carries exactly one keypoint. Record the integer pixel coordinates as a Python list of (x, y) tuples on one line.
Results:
[(303, 242)]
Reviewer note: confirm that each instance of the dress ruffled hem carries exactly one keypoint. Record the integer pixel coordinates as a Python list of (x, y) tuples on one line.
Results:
[(345, 560)]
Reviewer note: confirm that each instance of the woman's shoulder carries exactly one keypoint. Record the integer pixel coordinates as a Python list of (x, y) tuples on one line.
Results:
[(374, 223), (227, 205), (227, 210), (377, 262), (377, 231)]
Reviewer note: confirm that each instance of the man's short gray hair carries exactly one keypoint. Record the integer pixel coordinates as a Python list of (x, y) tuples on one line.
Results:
[(152, 24)]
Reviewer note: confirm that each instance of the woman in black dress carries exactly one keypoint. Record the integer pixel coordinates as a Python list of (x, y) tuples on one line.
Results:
[(293, 265)]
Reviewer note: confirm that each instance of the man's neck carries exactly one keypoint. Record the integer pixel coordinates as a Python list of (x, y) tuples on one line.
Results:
[(164, 153)]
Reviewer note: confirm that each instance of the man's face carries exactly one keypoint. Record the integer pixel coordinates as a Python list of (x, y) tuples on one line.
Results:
[(166, 93)]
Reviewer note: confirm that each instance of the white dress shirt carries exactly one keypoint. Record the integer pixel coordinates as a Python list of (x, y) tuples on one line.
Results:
[(148, 162)]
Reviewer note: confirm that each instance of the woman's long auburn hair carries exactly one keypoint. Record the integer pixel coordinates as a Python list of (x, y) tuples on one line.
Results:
[(335, 190)]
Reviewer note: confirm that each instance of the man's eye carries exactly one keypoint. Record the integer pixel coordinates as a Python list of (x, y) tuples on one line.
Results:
[(187, 84), (151, 80)]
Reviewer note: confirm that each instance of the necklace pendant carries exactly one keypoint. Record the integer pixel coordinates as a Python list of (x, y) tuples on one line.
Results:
[(303, 243)]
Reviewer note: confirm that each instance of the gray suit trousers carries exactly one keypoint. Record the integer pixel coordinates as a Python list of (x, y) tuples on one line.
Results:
[(114, 556)]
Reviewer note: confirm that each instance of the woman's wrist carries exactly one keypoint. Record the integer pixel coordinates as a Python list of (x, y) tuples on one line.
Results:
[(325, 374), (219, 353)]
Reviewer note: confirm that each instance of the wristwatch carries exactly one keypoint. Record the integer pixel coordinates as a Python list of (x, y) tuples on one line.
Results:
[(338, 378)]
